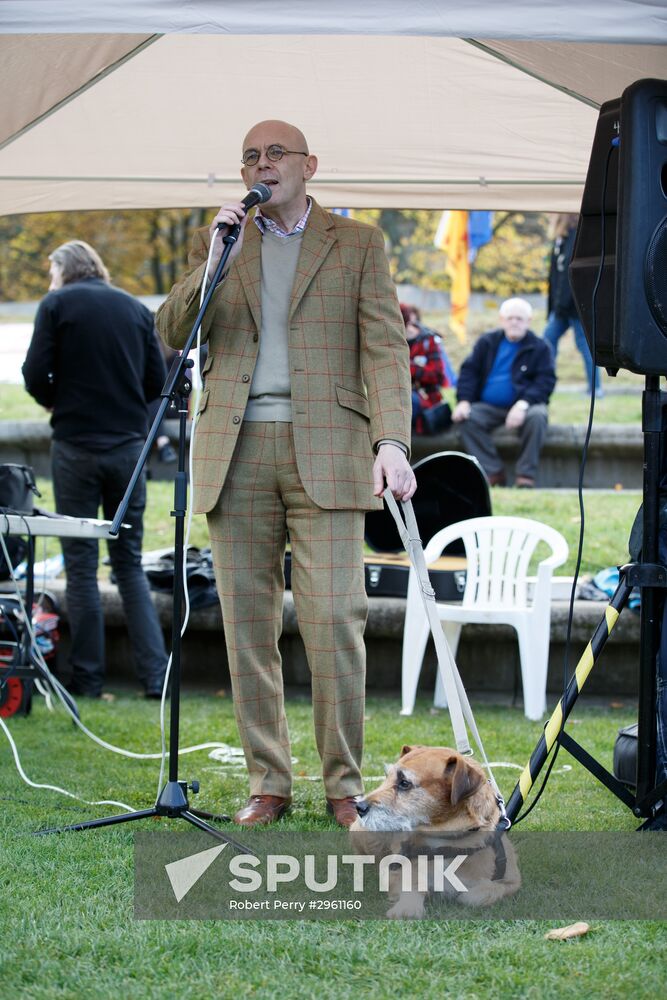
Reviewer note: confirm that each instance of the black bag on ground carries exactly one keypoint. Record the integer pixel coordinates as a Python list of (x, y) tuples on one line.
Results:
[(625, 755), (17, 493), (17, 489), (159, 568)]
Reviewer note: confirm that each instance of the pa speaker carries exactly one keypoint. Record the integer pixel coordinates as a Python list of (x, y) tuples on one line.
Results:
[(597, 226), (629, 156), (640, 329)]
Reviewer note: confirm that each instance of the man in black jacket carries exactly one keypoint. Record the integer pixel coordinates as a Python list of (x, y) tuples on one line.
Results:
[(508, 380), (94, 361)]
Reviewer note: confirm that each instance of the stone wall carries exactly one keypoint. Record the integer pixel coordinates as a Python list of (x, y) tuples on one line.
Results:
[(204, 660), (615, 453)]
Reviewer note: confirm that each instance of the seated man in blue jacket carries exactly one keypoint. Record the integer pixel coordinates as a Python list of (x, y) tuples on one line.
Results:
[(508, 380)]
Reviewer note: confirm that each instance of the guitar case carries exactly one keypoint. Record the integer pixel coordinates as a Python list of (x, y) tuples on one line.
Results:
[(451, 487)]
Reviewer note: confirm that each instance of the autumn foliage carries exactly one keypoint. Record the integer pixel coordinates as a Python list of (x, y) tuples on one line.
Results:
[(146, 251)]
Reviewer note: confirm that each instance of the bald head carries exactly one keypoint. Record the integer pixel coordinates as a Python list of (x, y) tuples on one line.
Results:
[(286, 171), (287, 135)]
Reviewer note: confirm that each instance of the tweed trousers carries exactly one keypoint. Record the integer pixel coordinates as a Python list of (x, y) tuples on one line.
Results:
[(263, 499)]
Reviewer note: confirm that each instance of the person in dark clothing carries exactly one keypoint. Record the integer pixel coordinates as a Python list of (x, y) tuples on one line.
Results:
[(508, 380), (561, 310), (94, 361), (430, 413), (166, 454)]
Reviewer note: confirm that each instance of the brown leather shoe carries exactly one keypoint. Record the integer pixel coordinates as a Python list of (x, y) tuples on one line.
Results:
[(524, 483), (261, 809), (344, 811), (497, 479)]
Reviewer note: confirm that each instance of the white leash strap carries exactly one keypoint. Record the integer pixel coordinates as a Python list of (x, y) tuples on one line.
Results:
[(409, 533), (457, 699)]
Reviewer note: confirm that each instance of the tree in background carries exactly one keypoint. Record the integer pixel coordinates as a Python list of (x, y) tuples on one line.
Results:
[(147, 250), (515, 262)]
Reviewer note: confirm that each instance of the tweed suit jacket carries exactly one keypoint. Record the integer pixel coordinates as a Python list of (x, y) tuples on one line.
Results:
[(348, 358)]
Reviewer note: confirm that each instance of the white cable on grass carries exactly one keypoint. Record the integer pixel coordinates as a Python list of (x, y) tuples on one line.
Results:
[(197, 387), (57, 686), (45, 693), (503, 763), (63, 695), (56, 788)]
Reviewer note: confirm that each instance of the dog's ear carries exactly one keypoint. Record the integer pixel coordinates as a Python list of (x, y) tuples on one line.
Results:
[(465, 780), (408, 749)]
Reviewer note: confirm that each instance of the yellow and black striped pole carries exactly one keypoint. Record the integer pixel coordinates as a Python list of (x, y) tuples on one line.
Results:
[(555, 724)]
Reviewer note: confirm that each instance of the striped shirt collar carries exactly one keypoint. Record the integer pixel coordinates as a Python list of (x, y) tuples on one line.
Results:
[(265, 224)]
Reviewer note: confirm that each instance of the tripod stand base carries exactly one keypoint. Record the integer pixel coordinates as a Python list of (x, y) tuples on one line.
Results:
[(657, 822), (172, 803)]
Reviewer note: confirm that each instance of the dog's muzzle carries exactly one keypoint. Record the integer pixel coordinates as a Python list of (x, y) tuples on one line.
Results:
[(363, 807)]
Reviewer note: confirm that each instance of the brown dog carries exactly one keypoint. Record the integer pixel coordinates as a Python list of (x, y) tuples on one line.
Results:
[(446, 803)]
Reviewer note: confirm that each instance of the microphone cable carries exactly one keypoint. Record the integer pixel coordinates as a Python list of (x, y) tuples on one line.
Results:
[(197, 386), (580, 485), (63, 696), (59, 689)]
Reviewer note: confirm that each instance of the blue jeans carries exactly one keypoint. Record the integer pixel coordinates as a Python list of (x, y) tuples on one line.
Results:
[(554, 330), (82, 482), (434, 418)]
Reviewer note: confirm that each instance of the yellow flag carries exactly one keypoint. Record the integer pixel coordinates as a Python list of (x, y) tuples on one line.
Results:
[(452, 238)]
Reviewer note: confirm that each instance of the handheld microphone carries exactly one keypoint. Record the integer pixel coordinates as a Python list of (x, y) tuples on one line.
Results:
[(257, 195)]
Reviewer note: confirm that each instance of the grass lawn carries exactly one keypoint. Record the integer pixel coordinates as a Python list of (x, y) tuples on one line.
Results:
[(574, 408), (17, 404), (67, 904), (564, 407)]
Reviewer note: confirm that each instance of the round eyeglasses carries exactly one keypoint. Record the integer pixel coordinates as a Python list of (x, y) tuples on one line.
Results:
[(274, 152)]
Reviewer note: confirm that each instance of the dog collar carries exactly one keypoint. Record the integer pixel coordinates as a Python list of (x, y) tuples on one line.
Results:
[(494, 839)]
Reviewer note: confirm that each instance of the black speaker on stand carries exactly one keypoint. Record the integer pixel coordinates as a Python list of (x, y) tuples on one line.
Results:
[(628, 166), (596, 239), (640, 326), (618, 275)]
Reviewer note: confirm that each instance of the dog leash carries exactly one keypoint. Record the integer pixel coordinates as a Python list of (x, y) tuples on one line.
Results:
[(458, 704), (409, 533)]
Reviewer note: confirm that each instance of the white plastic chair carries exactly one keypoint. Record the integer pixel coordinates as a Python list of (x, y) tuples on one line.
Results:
[(498, 553)]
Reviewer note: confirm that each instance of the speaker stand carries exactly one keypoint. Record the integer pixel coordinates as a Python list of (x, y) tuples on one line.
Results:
[(651, 577)]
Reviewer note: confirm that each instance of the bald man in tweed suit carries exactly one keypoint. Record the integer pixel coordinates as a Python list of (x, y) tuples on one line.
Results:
[(304, 417)]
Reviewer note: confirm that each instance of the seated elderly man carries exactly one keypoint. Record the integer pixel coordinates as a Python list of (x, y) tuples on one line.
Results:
[(508, 380)]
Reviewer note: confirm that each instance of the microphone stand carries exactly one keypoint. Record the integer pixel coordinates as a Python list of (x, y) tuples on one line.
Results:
[(172, 801)]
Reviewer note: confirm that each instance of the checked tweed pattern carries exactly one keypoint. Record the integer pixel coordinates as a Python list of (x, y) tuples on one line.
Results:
[(350, 385), (349, 361)]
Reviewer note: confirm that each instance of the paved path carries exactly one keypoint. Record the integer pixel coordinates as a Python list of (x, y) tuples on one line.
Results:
[(14, 341)]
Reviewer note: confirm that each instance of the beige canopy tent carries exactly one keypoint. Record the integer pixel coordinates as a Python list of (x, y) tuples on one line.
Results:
[(432, 105)]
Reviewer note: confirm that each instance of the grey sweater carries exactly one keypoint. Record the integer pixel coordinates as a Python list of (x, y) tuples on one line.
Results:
[(270, 390)]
